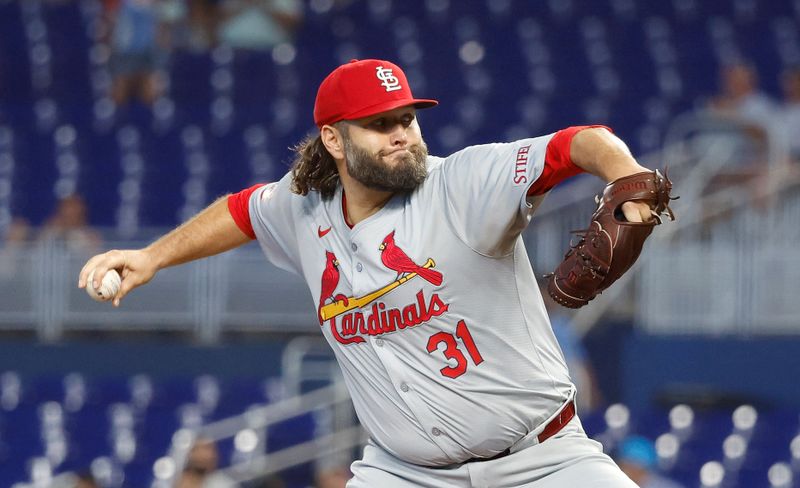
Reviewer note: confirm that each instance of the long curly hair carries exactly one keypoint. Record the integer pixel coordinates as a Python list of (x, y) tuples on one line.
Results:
[(314, 169)]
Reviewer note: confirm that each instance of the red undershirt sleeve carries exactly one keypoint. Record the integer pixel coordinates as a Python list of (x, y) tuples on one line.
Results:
[(558, 165), (239, 207)]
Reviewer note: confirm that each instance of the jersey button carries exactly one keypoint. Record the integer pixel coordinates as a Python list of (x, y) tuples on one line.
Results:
[(359, 267), (404, 387), (353, 246), (436, 432), (379, 342)]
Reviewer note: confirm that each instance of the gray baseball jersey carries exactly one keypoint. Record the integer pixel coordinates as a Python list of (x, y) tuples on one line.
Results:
[(430, 304)]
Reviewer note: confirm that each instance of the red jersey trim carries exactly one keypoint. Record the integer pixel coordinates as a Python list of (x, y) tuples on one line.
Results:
[(239, 207), (344, 210), (558, 165)]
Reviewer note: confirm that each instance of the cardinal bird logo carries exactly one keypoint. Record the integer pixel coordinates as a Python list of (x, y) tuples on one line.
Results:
[(351, 318), (396, 259), (330, 280)]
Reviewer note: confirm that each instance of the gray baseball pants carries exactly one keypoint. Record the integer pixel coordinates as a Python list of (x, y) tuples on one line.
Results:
[(568, 459)]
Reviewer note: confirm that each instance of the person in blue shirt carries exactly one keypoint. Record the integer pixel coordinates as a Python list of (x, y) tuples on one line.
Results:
[(637, 458)]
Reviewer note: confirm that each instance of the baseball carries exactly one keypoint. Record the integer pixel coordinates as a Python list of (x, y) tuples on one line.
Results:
[(108, 288)]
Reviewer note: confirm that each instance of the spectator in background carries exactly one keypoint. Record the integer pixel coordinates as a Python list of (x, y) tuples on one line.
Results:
[(189, 25), (748, 123), (15, 237), (637, 458), (332, 477), (69, 224), (138, 45), (258, 24), (84, 479), (200, 470), (742, 102), (272, 481), (740, 97), (790, 110)]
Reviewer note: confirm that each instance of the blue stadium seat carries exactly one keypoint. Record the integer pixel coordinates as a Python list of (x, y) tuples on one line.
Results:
[(240, 393), (69, 45)]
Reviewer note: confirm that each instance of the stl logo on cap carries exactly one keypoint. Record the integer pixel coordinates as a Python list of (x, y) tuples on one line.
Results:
[(388, 79), (362, 88)]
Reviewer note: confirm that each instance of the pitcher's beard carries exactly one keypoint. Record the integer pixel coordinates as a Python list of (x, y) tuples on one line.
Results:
[(371, 171)]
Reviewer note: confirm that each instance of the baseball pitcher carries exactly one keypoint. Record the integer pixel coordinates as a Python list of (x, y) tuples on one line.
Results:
[(422, 284)]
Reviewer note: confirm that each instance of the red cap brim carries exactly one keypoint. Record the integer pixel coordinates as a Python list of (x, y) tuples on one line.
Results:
[(384, 107)]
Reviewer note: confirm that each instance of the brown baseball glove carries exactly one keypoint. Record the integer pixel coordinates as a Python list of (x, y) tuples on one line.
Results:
[(611, 244)]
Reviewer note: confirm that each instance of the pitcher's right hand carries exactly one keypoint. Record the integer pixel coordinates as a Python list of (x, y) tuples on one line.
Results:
[(136, 267)]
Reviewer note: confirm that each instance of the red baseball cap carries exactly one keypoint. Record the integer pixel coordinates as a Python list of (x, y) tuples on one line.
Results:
[(363, 88)]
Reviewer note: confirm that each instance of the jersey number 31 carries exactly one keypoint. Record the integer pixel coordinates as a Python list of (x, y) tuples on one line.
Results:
[(452, 351)]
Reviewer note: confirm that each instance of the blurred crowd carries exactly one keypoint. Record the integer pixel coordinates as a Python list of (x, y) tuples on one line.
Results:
[(763, 132), (67, 226), (142, 33), (742, 100)]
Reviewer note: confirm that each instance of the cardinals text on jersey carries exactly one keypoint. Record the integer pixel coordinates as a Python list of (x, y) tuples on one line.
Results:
[(347, 317)]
